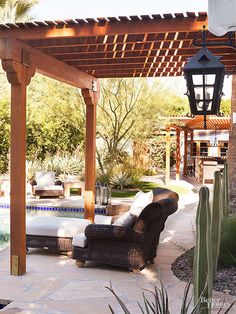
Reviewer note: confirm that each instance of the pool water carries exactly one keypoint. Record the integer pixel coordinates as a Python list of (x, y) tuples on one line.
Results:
[(5, 220), (4, 230)]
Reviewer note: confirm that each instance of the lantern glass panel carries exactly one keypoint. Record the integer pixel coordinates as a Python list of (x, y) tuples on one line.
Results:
[(199, 92), (197, 79), (199, 105), (209, 79)]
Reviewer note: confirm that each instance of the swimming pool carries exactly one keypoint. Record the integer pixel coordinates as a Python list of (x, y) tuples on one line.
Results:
[(40, 211)]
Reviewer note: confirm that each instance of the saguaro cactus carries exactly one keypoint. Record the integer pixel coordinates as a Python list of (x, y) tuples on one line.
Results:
[(216, 220), (225, 191), (208, 234), (203, 253)]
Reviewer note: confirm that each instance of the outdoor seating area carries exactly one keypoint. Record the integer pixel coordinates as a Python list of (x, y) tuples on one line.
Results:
[(132, 240), (117, 158)]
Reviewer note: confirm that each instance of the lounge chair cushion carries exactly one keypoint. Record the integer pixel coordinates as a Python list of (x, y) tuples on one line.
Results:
[(48, 188), (56, 226), (79, 240)]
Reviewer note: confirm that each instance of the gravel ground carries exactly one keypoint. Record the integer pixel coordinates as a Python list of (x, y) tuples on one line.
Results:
[(225, 278)]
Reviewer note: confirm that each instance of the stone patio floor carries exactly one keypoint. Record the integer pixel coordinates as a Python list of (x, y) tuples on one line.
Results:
[(53, 284)]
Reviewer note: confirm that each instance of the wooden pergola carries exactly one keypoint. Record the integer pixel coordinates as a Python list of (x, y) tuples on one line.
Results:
[(79, 52), (188, 125)]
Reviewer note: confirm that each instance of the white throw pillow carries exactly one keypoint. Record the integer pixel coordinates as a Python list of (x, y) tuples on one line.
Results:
[(102, 220), (125, 220), (141, 200), (45, 178)]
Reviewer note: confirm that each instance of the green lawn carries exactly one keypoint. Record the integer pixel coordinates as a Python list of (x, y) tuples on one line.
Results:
[(146, 186)]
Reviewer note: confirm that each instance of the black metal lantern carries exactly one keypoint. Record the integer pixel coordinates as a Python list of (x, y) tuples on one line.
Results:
[(204, 74)]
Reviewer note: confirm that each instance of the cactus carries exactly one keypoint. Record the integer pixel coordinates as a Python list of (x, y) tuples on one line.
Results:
[(225, 191), (216, 212), (202, 269), (208, 235)]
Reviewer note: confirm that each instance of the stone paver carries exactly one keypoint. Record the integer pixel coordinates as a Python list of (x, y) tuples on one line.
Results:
[(53, 284)]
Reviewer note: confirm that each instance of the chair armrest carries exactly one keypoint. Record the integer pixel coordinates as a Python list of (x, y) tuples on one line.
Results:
[(116, 209), (114, 233)]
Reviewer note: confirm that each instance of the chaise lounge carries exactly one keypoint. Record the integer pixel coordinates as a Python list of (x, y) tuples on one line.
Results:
[(132, 244), (45, 185)]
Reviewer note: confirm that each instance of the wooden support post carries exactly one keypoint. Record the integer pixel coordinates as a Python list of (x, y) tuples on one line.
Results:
[(167, 154), (191, 143), (185, 170), (19, 76), (231, 156), (178, 156), (91, 100)]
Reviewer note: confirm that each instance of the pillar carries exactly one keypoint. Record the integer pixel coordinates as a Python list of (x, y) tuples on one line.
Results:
[(167, 154), (90, 99), (185, 169), (231, 156), (19, 76), (178, 156)]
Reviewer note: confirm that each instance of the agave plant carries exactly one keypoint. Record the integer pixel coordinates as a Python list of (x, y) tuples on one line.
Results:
[(160, 302), (120, 180), (31, 167)]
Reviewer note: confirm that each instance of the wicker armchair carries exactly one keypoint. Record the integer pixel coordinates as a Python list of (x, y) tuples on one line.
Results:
[(131, 247)]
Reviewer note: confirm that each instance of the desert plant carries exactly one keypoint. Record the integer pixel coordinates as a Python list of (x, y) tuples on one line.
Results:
[(225, 191), (227, 255), (160, 303), (216, 221), (64, 165), (31, 167), (202, 266), (120, 180)]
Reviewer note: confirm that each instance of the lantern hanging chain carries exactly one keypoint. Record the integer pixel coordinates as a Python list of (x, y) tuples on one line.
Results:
[(204, 43)]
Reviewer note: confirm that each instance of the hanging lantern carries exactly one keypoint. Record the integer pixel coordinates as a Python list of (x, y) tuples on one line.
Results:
[(204, 74)]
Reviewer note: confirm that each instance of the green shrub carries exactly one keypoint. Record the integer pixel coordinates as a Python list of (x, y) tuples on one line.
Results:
[(227, 256)]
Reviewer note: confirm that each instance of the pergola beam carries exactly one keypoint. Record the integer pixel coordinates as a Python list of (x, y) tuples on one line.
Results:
[(107, 28), (11, 49)]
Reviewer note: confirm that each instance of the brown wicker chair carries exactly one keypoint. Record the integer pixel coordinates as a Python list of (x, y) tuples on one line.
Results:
[(130, 247)]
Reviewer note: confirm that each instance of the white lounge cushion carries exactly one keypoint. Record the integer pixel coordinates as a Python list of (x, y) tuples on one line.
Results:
[(102, 220), (48, 188), (125, 220), (79, 240), (56, 226), (45, 177), (141, 200)]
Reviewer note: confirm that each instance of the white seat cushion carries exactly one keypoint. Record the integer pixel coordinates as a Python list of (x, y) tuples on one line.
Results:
[(48, 188), (79, 240), (56, 226)]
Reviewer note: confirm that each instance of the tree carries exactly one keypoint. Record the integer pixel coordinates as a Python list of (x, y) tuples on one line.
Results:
[(130, 109), (15, 10), (55, 118)]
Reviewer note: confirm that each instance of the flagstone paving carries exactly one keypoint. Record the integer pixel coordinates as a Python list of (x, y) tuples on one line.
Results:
[(53, 284)]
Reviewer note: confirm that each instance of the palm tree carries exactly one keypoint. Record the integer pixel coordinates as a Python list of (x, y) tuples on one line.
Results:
[(15, 10)]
